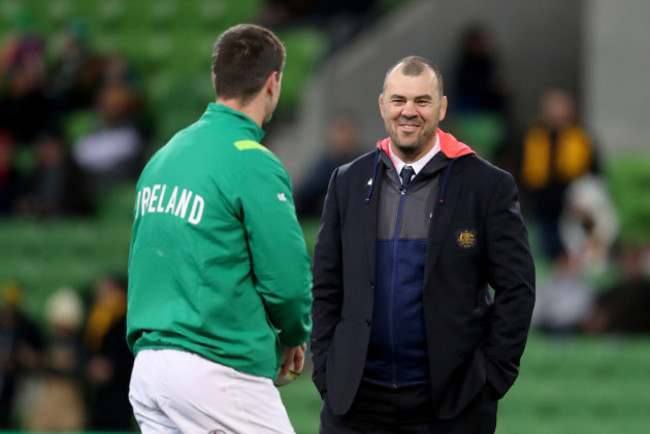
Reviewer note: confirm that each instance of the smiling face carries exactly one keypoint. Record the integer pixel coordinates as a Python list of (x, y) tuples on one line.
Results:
[(412, 107)]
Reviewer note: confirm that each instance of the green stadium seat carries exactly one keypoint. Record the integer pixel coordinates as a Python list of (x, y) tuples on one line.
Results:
[(111, 11), (159, 86), (485, 131), (60, 11), (8, 10), (240, 11), (117, 203), (305, 49), (211, 14), (628, 177), (78, 124), (164, 11)]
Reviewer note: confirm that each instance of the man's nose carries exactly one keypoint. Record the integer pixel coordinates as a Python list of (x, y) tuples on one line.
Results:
[(408, 110)]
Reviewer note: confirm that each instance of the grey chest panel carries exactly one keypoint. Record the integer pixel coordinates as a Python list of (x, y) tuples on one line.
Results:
[(417, 206)]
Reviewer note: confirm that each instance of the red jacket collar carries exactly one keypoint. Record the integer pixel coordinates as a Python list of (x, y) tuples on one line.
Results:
[(449, 145)]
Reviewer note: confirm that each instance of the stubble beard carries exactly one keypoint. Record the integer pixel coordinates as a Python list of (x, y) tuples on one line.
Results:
[(413, 148)]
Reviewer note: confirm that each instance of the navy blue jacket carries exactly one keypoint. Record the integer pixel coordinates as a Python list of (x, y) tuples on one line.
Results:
[(397, 352)]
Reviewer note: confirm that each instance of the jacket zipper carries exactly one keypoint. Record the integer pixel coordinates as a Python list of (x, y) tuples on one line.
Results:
[(398, 224)]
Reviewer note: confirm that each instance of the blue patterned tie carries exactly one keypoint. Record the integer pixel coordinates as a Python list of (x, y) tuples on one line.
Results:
[(406, 175)]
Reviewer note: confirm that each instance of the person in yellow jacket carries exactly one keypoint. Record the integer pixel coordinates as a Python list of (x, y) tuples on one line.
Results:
[(556, 151)]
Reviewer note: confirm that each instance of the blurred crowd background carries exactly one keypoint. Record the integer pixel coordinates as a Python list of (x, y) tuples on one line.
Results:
[(554, 92)]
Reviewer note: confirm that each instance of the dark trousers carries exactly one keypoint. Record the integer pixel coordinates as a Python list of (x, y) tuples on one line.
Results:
[(407, 410)]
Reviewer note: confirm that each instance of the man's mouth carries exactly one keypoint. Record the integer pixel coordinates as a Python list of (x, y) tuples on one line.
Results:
[(409, 127)]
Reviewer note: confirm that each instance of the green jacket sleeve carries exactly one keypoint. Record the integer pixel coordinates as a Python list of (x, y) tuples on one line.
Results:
[(280, 262)]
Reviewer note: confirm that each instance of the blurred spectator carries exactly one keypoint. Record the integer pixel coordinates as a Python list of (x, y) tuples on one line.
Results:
[(589, 223), (341, 19), (60, 405), (480, 85), (342, 147), (24, 107), (10, 177), (119, 73), (480, 115), (556, 151), (564, 301), (116, 70), (624, 307), (279, 13), (110, 363), (56, 186), (114, 151), (20, 348), (77, 72)]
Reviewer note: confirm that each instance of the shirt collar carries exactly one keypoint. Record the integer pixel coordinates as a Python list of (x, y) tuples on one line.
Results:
[(258, 133), (419, 164)]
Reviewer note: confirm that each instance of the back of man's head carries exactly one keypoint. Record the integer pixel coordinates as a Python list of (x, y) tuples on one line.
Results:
[(243, 58)]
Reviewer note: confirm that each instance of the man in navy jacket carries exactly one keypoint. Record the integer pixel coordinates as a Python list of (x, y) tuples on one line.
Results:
[(408, 336)]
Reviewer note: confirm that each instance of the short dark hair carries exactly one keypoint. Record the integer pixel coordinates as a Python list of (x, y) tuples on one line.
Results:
[(414, 66), (243, 58)]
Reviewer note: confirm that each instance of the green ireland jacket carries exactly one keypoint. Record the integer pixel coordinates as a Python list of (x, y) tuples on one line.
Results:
[(218, 264)]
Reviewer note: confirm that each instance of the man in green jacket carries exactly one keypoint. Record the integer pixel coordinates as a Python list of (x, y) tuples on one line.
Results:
[(219, 275)]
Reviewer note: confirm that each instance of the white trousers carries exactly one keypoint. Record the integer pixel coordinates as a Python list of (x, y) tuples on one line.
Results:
[(178, 392)]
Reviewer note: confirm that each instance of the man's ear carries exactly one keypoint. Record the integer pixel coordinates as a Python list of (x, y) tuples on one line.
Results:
[(214, 80), (381, 105), (443, 109), (272, 82)]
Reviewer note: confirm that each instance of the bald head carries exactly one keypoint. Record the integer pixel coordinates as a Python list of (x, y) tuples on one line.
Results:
[(414, 66)]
